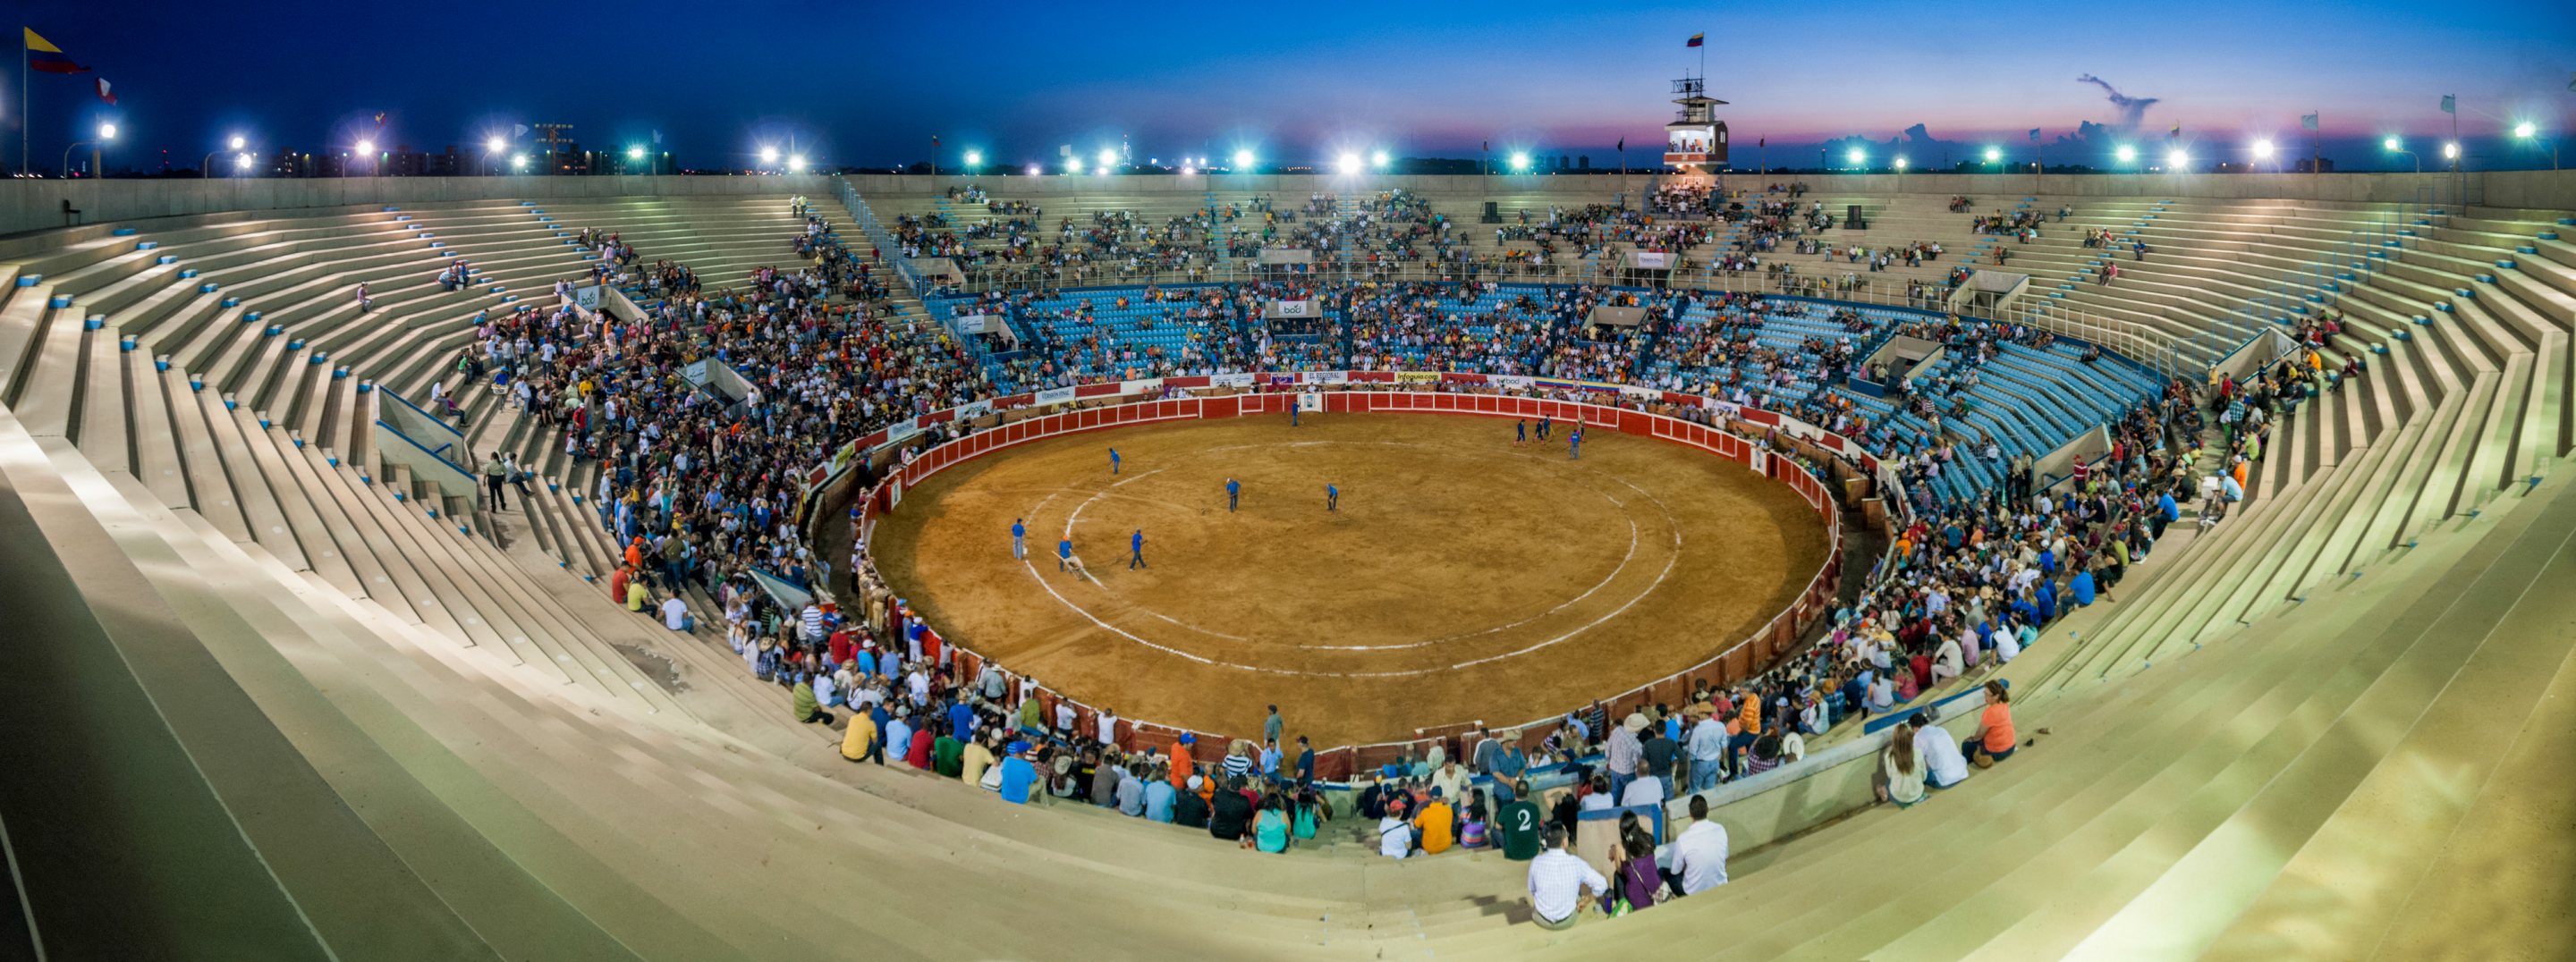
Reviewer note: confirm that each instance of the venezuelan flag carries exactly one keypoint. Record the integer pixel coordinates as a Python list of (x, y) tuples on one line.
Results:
[(43, 55), (1695, 40)]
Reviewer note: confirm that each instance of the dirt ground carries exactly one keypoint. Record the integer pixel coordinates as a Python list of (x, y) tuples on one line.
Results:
[(1463, 578)]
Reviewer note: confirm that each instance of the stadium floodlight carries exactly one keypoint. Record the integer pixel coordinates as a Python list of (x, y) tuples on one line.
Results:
[(635, 153), (495, 145), (1243, 160), (2125, 153), (241, 161), (239, 142), (107, 131), (518, 161), (768, 156), (2396, 146), (1036, 171), (1858, 156), (2176, 159), (2526, 130), (1378, 160), (1520, 161), (796, 163), (1108, 158), (1348, 162), (2451, 150), (1900, 165), (1994, 154), (1072, 164), (1187, 170), (366, 146), (974, 159), (2262, 150)]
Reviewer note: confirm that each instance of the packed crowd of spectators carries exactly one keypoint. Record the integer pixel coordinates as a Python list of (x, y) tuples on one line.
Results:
[(700, 490)]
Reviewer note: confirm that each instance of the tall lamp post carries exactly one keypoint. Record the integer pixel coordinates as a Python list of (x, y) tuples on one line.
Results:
[(206, 167), (106, 134), (2396, 146), (2525, 131)]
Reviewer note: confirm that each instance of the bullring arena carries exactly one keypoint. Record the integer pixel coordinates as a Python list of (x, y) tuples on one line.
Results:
[(1455, 554), (529, 565)]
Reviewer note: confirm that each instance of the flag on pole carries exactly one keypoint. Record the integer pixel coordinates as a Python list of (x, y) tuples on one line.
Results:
[(2176, 132), (1623, 145), (2307, 121), (1488, 147), (2450, 104), (43, 56), (104, 93), (2034, 135), (934, 141), (657, 138), (1696, 40), (1761, 141)]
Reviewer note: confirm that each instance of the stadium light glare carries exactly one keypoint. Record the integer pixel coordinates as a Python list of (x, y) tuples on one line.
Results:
[(2262, 150), (1520, 161), (974, 159), (2125, 153), (1900, 164), (107, 131), (1242, 160), (1348, 162), (635, 153), (1379, 160), (1857, 156), (2393, 143), (1187, 170), (1994, 154), (768, 156), (495, 145), (1108, 158), (518, 161), (1072, 164), (241, 161), (2177, 159), (2451, 151), (239, 141), (796, 163), (366, 146), (2525, 130)]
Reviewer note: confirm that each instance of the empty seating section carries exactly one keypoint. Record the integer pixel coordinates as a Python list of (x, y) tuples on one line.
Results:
[(2352, 662)]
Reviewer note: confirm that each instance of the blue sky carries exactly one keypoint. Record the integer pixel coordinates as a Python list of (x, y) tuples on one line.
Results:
[(871, 83)]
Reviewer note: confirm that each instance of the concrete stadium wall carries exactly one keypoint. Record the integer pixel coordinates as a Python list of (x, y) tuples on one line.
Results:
[(2522, 189), (27, 205)]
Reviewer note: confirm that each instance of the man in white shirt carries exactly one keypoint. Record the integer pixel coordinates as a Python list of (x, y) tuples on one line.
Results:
[(1394, 836), (1645, 790), (1557, 879), (1699, 853), (1943, 764), (675, 614), (1108, 727)]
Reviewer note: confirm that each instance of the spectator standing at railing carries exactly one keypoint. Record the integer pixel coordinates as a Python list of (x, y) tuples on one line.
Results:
[(1625, 752)]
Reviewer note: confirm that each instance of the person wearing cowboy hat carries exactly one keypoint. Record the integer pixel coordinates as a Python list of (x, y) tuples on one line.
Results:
[(1625, 751)]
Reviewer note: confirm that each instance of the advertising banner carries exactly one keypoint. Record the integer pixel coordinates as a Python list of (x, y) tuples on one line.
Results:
[(1310, 401), (1327, 377), (1238, 379), (1417, 377), (1055, 395)]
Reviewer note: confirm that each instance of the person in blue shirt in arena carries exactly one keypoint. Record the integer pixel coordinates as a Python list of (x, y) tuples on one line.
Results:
[(1113, 460), (1136, 550), (1233, 493), (1063, 553), (1332, 498), (1019, 531), (1574, 444)]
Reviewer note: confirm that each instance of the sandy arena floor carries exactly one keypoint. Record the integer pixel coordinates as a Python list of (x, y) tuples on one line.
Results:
[(1462, 579)]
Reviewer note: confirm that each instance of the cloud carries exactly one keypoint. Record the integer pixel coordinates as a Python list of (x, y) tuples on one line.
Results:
[(2133, 110)]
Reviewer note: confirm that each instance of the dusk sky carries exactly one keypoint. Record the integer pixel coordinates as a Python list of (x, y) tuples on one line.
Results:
[(872, 83)]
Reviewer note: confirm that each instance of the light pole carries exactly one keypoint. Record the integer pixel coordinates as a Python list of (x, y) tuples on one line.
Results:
[(2395, 145), (106, 134), (206, 167), (2525, 131), (1994, 157), (974, 162), (367, 149)]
